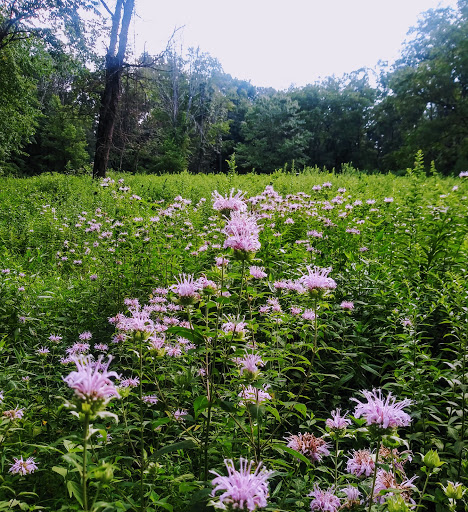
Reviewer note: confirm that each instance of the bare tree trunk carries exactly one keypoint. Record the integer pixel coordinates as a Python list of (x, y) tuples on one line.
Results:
[(111, 96)]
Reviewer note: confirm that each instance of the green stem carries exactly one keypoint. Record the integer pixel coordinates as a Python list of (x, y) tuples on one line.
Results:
[(424, 489), (258, 449), (207, 434), (85, 463), (241, 288), (142, 428), (463, 408), (371, 497), (337, 440)]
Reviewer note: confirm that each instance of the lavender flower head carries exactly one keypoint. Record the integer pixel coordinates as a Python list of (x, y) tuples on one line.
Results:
[(242, 490), (92, 383), (249, 364), (14, 414), (187, 289), (257, 272), (225, 205), (242, 232), (316, 282), (383, 412), (337, 422), (253, 395), (23, 467), (386, 480), (324, 500), (235, 327), (352, 495)]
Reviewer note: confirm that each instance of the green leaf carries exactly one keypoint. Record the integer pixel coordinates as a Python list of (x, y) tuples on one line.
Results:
[(181, 445), (194, 335), (75, 490), (273, 411), (301, 408), (60, 470), (200, 404), (294, 453)]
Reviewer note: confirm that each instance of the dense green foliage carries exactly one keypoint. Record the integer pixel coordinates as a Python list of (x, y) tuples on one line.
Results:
[(183, 112), (73, 249)]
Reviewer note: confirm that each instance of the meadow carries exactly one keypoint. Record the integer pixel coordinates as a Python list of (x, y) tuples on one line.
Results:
[(282, 342)]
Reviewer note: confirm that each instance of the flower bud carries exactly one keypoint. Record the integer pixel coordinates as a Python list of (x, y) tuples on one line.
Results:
[(432, 460), (397, 504), (104, 473), (454, 491)]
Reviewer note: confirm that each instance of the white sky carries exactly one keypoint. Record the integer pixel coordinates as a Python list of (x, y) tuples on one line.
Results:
[(279, 43)]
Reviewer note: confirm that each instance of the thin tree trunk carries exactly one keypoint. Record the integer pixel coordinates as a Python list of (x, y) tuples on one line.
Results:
[(111, 96)]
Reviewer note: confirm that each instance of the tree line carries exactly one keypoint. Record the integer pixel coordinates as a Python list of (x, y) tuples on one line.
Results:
[(174, 111)]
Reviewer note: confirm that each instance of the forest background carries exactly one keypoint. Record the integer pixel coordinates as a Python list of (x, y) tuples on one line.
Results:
[(180, 110)]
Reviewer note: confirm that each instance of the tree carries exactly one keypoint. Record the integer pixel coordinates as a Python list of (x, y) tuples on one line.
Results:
[(114, 66), (21, 65), (43, 19), (425, 100), (274, 134)]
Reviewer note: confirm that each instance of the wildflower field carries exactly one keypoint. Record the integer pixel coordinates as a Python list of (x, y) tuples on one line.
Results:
[(238, 342)]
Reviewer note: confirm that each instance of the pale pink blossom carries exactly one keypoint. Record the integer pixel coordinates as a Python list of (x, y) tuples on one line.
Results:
[(23, 467), (242, 490), (381, 411)]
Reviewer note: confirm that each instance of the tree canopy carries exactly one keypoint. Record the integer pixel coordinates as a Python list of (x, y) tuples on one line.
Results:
[(182, 111)]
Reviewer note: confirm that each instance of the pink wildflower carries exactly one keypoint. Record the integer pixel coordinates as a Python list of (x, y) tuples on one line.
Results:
[(309, 314), (131, 382), (386, 480), (383, 412), (179, 414), (242, 232), (250, 363), (315, 448), (90, 384), (221, 261), (361, 463), (317, 279), (326, 501), (352, 495), (150, 399), (254, 395), (227, 204), (187, 289), (243, 490), (347, 305), (234, 325), (23, 467), (257, 272), (337, 422), (14, 414)]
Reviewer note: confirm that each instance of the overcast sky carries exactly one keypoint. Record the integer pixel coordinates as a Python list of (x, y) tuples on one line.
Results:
[(279, 43)]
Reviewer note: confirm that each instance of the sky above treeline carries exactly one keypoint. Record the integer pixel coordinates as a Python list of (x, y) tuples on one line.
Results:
[(276, 43)]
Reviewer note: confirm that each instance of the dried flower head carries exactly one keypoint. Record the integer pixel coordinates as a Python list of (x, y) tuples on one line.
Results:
[(315, 448)]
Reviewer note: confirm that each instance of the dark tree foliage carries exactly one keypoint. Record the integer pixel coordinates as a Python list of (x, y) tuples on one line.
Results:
[(181, 111)]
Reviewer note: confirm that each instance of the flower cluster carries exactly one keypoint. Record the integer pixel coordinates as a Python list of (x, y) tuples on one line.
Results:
[(315, 448), (92, 384), (242, 490), (385, 413), (242, 235)]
